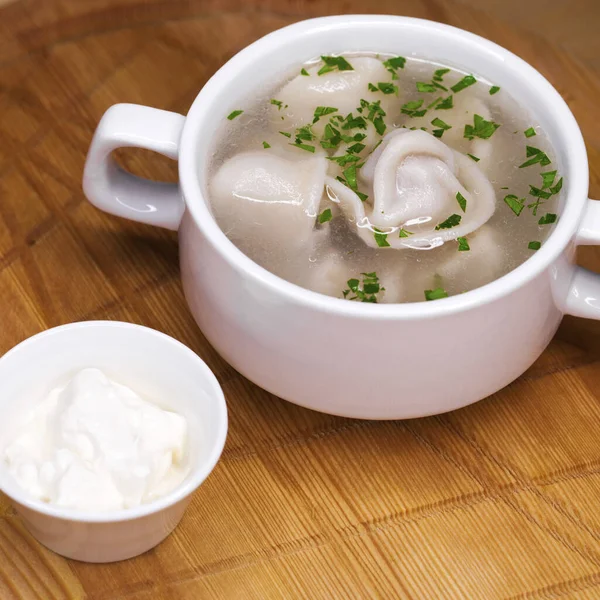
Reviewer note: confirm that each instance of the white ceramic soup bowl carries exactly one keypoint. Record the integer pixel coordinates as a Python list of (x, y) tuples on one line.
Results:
[(153, 364), (372, 361)]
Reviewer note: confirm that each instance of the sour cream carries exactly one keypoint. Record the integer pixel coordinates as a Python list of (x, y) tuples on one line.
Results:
[(97, 445)]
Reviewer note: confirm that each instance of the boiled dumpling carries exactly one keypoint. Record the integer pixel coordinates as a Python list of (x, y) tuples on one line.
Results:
[(342, 90), (259, 195), (465, 107), (330, 277), (415, 181)]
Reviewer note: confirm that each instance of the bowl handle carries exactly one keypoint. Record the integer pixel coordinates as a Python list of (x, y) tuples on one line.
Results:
[(120, 193), (583, 299)]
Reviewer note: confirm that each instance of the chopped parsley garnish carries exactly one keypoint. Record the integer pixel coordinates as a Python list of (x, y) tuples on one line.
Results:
[(278, 104), (494, 90), (529, 132), (537, 193), (548, 179), (463, 244), (449, 223), (548, 219), (557, 187), (465, 82), (373, 88), (350, 175), (439, 74), (321, 111), (534, 245), (433, 103), (403, 233), (334, 62), (442, 127), (266, 145), (388, 88), (306, 147), (412, 108), (288, 135), (304, 72), (325, 216), (354, 123), (379, 124), (425, 87), (392, 64), (445, 104), (475, 158), (462, 202), (515, 204), (331, 137), (305, 133), (344, 160), (375, 114), (440, 86), (381, 238), (370, 287), (481, 128), (356, 148), (436, 294), (236, 113), (537, 156)]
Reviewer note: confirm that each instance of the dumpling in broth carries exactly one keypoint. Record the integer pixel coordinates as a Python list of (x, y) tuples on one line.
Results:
[(342, 90), (254, 192), (416, 182)]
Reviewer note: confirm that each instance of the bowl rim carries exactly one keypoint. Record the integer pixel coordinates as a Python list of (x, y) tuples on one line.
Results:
[(188, 486), (576, 176)]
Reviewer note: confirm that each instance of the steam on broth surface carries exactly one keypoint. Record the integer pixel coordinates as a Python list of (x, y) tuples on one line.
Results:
[(380, 178)]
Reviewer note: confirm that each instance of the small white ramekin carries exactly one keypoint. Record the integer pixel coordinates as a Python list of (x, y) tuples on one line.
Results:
[(153, 364)]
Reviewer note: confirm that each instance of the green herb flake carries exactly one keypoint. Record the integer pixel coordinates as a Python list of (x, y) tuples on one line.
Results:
[(236, 113), (277, 103), (451, 221), (321, 111), (344, 159), (266, 145), (334, 62), (445, 104), (325, 216), (354, 123), (380, 125), (288, 135), (475, 158), (403, 233), (463, 244), (388, 88), (465, 82), (439, 74), (362, 196), (305, 133), (537, 193), (535, 205), (529, 132), (534, 245), (350, 175), (548, 179), (556, 189), (515, 204), (462, 201), (537, 156), (412, 108), (425, 87), (494, 90), (481, 128), (370, 287), (397, 62), (436, 294), (442, 127), (373, 88), (306, 147), (304, 72), (548, 219), (381, 238), (356, 148)]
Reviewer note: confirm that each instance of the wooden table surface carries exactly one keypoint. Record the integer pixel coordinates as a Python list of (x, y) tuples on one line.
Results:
[(496, 501)]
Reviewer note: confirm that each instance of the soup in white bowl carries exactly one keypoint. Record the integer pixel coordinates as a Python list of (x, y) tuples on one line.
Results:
[(380, 178)]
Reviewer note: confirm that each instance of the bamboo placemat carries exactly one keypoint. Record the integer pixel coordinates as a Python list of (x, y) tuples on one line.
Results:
[(496, 501)]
